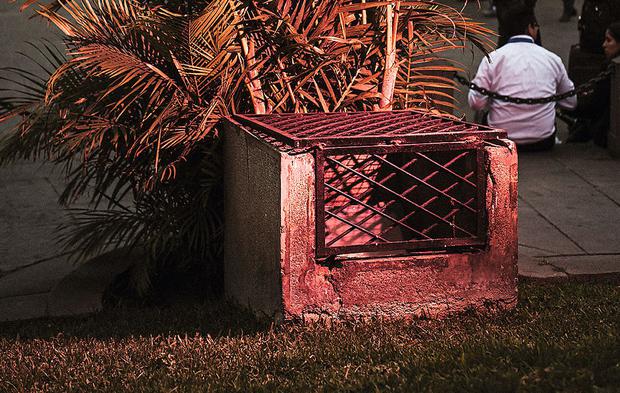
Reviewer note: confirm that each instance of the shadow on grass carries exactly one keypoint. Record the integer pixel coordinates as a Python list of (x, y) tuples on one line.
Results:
[(187, 318), (190, 316)]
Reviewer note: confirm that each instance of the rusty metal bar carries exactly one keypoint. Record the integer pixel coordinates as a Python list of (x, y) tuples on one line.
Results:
[(420, 245), (404, 198)]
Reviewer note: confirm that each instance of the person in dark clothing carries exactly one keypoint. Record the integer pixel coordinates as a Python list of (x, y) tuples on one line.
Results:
[(594, 114), (569, 10)]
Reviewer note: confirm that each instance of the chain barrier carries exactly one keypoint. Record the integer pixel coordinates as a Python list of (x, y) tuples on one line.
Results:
[(584, 89)]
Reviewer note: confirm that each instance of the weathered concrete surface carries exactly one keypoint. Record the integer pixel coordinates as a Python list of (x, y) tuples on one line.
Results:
[(281, 277), (538, 268), (569, 207), (577, 265), (613, 137), (252, 238), (435, 284)]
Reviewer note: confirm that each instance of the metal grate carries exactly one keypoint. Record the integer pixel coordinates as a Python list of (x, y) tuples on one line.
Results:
[(399, 198), (364, 128)]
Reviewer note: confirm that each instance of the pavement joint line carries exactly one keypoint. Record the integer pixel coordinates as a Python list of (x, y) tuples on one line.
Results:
[(535, 248), (552, 224), (52, 185), (25, 295), (588, 182), (5, 273), (559, 269), (600, 254)]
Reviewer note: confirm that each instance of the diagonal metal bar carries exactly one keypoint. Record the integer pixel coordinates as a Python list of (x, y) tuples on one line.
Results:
[(425, 183), (465, 153), (402, 197), (377, 211), (335, 129), (382, 181), (362, 229), (401, 122), (343, 182)]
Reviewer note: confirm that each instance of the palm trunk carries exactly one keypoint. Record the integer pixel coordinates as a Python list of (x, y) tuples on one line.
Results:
[(390, 72), (252, 82)]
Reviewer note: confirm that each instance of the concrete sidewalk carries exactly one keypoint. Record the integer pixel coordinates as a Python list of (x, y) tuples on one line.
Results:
[(569, 212)]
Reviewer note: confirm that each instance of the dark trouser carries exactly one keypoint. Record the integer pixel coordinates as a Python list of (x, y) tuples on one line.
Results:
[(569, 6), (545, 144)]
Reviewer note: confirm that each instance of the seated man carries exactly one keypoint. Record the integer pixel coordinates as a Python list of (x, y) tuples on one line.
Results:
[(525, 70)]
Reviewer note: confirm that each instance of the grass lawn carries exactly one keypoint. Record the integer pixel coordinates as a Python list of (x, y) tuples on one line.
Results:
[(562, 337)]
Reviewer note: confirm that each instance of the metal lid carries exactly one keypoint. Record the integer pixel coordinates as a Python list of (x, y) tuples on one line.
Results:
[(365, 128)]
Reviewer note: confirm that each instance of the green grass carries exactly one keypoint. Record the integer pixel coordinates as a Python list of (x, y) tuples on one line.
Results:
[(562, 337)]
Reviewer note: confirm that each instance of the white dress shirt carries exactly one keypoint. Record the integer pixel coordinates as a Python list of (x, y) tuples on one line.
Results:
[(526, 70)]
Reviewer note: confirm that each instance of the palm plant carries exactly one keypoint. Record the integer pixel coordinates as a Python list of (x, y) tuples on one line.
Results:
[(131, 111)]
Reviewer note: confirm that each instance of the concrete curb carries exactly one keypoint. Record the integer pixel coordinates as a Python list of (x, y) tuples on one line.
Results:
[(81, 292)]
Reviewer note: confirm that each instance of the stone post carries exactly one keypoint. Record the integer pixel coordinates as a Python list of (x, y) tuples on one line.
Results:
[(613, 135)]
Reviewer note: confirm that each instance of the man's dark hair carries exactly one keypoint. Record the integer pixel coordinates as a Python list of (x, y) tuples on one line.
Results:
[(517, 18)]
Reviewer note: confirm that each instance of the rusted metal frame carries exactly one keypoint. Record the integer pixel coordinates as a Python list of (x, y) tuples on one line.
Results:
[(482, 190), (420, 136), (297, 119), (415, 121), (345, 125), (409, 246), (365, 194), (375, 210), (425, 183), (428, 202), (324, 120), (359, 228), (269, 130), (411, 139), (404, 198), (320, 219), (373, 150)]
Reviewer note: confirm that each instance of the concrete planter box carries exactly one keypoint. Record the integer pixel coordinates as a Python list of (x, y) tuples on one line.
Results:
[(274, 265)]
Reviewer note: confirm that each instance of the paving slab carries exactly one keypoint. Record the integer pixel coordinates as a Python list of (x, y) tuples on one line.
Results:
[(40, 277), (538, 268), (586, 264), (537, 236), (571, 204), (595, 166), (23, 307), (29, 214)]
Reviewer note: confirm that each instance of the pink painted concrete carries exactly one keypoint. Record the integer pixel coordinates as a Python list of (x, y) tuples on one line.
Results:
[(431, 284)]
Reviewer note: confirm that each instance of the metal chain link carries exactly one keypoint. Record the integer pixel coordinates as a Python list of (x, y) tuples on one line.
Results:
[(584, 89)]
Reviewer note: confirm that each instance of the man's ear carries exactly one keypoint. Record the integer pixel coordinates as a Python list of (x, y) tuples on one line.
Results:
[(532, 30)]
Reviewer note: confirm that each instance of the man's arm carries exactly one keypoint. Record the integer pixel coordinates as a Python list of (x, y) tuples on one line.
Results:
[(476, 100), (564, 85)]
